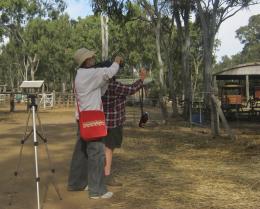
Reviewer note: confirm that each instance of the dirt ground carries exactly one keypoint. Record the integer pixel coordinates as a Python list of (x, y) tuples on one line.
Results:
[(170, 166)]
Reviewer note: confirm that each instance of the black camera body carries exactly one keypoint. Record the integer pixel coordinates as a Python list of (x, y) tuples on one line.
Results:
[(143, 119), (107, 63)]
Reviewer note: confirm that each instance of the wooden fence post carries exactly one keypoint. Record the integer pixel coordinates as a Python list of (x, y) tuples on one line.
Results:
[(54, 98)]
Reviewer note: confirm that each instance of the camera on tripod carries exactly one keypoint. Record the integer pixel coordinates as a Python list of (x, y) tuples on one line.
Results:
[(31, 89)]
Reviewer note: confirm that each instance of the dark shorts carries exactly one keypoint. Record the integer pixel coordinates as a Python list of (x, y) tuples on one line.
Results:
[(114, 137)]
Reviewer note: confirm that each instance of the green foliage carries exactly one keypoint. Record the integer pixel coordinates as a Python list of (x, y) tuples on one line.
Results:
[(22, 22), (54, 37), (18, 12), (55, 41), (54, 47), (120, 11), (250, 36)]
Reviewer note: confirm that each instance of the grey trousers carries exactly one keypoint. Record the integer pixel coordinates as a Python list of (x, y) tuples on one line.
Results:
[(87, 167)]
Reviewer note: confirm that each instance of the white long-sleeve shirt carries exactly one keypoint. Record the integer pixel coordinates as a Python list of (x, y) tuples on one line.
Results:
[(90, 84)]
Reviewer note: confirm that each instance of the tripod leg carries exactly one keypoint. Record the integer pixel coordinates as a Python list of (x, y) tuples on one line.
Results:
[(36, 158), (21, 152), (44, 139), (45, 191), (25, 137)]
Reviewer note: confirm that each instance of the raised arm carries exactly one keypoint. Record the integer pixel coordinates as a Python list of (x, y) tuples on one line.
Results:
[(125, 90), (109, 72)]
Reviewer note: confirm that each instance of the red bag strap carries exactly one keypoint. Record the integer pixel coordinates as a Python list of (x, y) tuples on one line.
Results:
[(76, 96)]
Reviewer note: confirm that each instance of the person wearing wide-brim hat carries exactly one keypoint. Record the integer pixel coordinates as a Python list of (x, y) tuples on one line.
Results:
[(88, 159)]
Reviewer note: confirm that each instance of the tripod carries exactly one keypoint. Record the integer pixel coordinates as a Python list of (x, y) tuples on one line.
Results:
[(33, 110)]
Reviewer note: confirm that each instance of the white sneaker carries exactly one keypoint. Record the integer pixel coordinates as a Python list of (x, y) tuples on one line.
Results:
[(107, 195), (86, 188)]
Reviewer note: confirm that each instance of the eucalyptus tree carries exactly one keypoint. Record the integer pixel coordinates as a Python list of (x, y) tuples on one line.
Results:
[(124, 39), (250, 36), (154, 12), (196, 58), (134, 40), (123, 10), (182, 13), (54, 44), (63, 37), (212, 13), (87, 33), (15, 14), (125, 29), (8, 69), (171, 56)]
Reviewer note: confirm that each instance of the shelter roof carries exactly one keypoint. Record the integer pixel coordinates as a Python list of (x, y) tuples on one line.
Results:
[(240, 71)]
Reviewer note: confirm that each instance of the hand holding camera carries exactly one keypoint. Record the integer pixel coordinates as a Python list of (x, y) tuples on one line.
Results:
[(143, 74), (119, 60), (107, 63)]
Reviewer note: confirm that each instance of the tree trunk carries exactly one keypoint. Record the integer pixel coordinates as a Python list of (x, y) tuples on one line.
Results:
[(196, 63), (216, 103), (208, 90), (63, 87), (162, 102), (172, 89), (26, 68), (32, 74), (207, 73), (12, 103), (11, 76), (34, 65), (209, 30), (31, 64), (187, 77), (182, 16)]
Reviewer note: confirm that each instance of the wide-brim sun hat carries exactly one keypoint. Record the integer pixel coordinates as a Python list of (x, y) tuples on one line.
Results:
[(82, 54)]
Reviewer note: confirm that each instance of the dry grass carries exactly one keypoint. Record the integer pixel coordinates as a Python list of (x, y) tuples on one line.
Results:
[(162, 167), (184, 168)]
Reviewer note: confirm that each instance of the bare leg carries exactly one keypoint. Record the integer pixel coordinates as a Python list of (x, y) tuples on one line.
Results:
[(109, 157)]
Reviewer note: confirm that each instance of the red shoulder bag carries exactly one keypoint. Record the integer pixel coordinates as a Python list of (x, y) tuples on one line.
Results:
[(92, 123)]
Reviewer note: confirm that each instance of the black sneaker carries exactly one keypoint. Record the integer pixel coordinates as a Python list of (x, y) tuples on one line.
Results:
[(72, 189)]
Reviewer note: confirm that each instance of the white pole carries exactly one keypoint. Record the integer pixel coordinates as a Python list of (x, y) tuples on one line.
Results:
[(104, 36), (36, 157)]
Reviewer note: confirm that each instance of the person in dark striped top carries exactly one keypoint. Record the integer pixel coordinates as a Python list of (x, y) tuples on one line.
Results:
[(114, 101)]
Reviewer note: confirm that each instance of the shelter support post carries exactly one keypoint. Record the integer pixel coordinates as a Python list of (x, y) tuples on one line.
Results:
[(247, 87)]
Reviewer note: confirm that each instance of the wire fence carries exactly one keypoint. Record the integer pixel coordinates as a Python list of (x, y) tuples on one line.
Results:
[(199, 114)]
